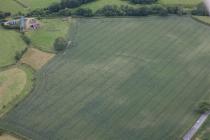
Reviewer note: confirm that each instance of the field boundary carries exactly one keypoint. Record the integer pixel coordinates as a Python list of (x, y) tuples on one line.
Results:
[(29, 87), (200, 21), (190, 134), (14, 134)]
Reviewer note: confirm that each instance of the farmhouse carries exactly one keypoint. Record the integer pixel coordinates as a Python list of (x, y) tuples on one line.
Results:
[(22, 23)]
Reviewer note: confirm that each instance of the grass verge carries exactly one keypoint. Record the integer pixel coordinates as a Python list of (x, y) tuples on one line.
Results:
[(202, 19)]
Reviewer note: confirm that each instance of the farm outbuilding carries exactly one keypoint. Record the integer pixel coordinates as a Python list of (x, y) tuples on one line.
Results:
[(24, 23)]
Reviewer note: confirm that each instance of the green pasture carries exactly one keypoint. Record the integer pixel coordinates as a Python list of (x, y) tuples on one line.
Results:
[(15, 84), (44, 37), (24, 6), (11, 6), (123, 79), (11, 43), (181, 2), (33, 4)]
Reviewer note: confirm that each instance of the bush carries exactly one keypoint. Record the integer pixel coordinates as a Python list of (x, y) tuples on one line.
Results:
[(143, 1), (203, 107), (83, 12), (200, 10), (109, 10), (38, 12), (67, 4), (114, 10), (19, 54), (26, 39), (65, 12), (60, 44), (4, 14)]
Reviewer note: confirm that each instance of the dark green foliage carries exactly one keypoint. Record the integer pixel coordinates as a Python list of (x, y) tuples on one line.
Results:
[(62, 8), (200, 10), (4, 14), (38, 12), (67, 4), (65, 12), (178, 10), (143, 1), (114, 10), (110, 10), (160, 10), (26, 39), (83, 12), (55, 7), (203, 107), (60, 44), (19, 54)]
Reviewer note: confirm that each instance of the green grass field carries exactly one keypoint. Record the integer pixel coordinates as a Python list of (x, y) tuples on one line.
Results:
[(11, 6), (12, 82), (44, 37), (33, 4), (124, 79), (181, 2), (15, 7), (11, 42), (15, 83)]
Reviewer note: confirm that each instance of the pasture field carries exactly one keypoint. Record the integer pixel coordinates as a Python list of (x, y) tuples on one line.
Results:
[(11, 42), (12, 82), (15, 83), (15, 6), (11, 6), (124, 79), (33, 4), (44, 37), (181, 2)]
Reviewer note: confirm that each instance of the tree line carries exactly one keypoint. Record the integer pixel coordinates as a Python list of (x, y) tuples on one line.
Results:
[(4, 14), (64, 8), (143, 1), (67, 4), (114, 10)]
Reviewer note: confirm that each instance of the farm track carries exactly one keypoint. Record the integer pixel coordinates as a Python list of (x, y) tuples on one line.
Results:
[(140, 85)]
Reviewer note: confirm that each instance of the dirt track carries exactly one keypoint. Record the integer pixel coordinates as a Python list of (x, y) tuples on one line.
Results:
[(196, 126)]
